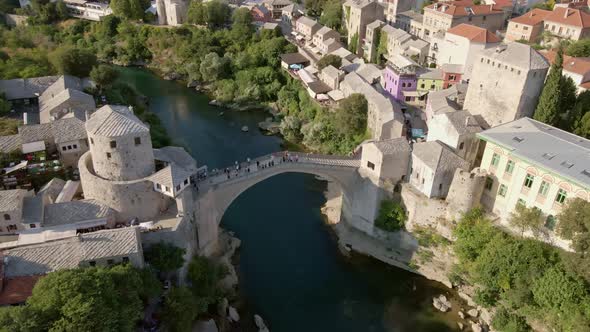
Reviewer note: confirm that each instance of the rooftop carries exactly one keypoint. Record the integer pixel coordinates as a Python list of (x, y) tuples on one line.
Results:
[(176, 155), (75, 211), (437, 156), (553, 149), (11, 200), (21, 88), (294, 58), (579, 66), (412, 15), (474, 34), (68, 253), (16, 290), (534, 17), (170, 176), (323, 30), (463, 122), (394, 145), (432, 74), (569, 16), (518, 55), (358, 3), (307, 21), (113, 121), (463, 8), (452, 68), (68, 129), (10, 143)]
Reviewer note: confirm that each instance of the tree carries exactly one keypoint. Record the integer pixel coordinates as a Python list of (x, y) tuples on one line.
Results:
[(73, 61), (130, 9), (581, 107), (582, 126), (580, 48), (568, 97), (217, 13), (527, 219), (574, 224), (332, 14), (314, 7), (181, 309), (351, 116), (392, 216), (291, 129), (548, 109), (165, 257), (329, 60), (90, 299), (103, 76), (204, 275), (213, 67), (507, 322), (5, 105), (197, 13), (354, 43), (242, 16)]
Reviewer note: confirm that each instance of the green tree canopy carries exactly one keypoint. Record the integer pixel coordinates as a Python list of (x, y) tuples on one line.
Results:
[(5, 105), (91, 299), (73, 61), (242, 16), (580, 48), (165, 257), (332, 14), (181, 308), (103, 75), (351, 116), (130, 9), (574, 224), (204, 275), (392, 216), (329, 60), (549, 107), (197, 13), (213, 67), (582, 126), (218, 13), (527, 219)]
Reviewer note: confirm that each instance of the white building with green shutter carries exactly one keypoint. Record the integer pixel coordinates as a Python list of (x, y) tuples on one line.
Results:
[(534, 164)]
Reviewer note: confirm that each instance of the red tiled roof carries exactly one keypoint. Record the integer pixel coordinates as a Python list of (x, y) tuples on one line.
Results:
[(569, 16), (533, 17), (501, 4), (573, 65), (17, 290), (473, 33), (463, 8)]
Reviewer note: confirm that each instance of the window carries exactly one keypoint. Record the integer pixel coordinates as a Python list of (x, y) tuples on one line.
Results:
[(432, 86), (528, 181), (452, 77), (11, 227), (370, 165), (63, 148), (509, 167), (461, 146), (92, 263), (74, 146), (550, 222), (422, 180), (158, 186), (439, 186), (422, 86), (113, 144), (525, 28), (6, 216), (185, 181), (177, 187), (108, 155), (495, 159), (484, 18), (91, 140), (32, 226), (521, 202), (403, 85), (125, 259), (69, 147), (137, 140), (561, 196), (489, 183), (502, 190), (166, 189), (543, 189)]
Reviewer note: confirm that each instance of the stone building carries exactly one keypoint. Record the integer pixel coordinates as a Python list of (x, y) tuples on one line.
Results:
[(445, 15), (331, 76), (460, 45), (430, 80), (276, 7), (395, 7), (26, 91), (458, 131), (322, 36), (568, 23), (433, 168), (399, 82), (410, 21), (357, 15), (443, 101), (307, 27), (372, 36), (63, 97), (536, 165), (508, 83), (527, 27), (11, 210), (171, 12), (291, 13), (387, 160)]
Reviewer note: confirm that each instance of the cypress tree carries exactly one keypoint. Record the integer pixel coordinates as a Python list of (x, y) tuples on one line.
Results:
[(551, 97)]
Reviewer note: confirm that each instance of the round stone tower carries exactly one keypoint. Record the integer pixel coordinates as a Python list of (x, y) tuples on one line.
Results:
[(120, 144), (465, 192)]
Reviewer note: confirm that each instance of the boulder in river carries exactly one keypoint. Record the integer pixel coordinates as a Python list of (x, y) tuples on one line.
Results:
[(441, 303), (473, 313), (233, 314), (460, 326), (475, 327), (461, 314), (260, 324)]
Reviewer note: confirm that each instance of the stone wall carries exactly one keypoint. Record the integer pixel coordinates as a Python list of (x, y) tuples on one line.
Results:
[(129, 199)]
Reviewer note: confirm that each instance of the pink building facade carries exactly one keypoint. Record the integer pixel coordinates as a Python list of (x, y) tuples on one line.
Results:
[(397, 81)]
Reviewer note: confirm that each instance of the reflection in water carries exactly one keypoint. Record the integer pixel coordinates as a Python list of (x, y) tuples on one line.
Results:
[(291, 272)]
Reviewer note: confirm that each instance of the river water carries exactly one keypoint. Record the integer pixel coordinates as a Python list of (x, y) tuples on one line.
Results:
[(291, 272)]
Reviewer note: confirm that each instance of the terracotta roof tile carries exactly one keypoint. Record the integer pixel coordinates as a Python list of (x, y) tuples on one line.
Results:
[(574, 65), (463, 8), (533, 17), (474, 34), (569, 16)]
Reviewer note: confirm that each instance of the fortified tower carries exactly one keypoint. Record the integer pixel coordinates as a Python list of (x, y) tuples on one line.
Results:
[(120, 144), (465, 192)]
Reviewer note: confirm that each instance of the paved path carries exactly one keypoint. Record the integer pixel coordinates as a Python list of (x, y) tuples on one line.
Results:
[(258, 166)]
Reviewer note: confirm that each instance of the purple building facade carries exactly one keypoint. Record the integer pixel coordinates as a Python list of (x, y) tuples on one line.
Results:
[(397, 80)]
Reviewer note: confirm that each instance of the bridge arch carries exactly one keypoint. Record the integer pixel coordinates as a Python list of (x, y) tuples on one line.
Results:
[(213, 201)]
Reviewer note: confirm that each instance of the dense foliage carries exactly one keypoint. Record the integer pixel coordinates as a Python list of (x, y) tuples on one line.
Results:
[(527, 279), (392, 216), (329, 60), (165, 257), (88, 299), (574, 224)]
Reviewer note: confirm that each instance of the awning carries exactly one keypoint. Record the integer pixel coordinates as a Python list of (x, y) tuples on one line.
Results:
[(414, 93), (34, 147), (16, 167)]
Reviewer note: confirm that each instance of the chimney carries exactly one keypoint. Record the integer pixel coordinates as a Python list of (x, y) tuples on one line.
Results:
[(565, 12), (491, 7)]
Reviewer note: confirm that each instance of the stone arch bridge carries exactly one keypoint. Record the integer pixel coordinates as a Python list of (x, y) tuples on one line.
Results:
[(215, 193)]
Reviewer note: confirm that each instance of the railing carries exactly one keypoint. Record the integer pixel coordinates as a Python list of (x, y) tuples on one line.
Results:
[(256, 166)]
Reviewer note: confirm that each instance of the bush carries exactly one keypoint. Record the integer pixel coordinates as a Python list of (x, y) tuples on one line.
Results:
[(504, 321), (392, 217)]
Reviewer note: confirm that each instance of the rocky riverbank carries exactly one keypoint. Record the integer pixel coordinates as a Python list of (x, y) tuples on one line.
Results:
[(459, 306)]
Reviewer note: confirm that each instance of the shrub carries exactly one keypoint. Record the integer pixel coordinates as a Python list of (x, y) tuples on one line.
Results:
[(392, 216), (505, 321)]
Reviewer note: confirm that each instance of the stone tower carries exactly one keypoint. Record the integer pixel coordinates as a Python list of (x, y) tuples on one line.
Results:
[(465, 192), (120, 144)]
